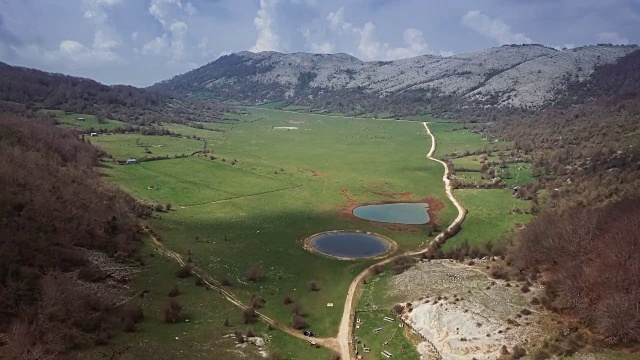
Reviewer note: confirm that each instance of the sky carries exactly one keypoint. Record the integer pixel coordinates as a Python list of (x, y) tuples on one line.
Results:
[(140, 42)]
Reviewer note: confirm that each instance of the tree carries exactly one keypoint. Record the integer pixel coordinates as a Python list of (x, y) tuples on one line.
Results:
[(254, 273), (172, 311), (313, 285)]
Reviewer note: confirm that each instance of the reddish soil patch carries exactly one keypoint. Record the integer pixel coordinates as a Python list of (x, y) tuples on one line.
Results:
[(318, 174), (435, 205)]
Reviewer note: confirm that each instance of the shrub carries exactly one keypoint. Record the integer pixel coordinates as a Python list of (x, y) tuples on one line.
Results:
[(199, 281), (313, 285), (172, 311), (518, 352), (298, 322), (287, 300), (499, 271), (167, 207), (132, 313), (399, 309), (174, 291), (225, 281), (257, 302), (254, 274), (249, 315), (184, 272)]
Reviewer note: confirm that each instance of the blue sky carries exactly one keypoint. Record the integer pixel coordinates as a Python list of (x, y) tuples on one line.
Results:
[(140, 42)]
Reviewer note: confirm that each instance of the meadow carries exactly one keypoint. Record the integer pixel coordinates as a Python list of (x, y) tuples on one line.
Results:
[(284, 186), (88, 122), (272, 178)]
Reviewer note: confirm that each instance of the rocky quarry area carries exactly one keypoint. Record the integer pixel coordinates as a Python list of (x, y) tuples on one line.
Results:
[(463, 314)]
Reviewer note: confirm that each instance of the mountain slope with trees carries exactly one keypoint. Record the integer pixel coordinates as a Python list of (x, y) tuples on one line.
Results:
[(28, 90)]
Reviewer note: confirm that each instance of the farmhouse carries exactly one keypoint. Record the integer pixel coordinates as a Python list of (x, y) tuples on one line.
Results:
[(131, 161), (94, 134)]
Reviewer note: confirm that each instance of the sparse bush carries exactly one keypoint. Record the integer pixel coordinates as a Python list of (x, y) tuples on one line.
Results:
[(313, 285), (167, 207), (254, 274), (184, 272), (249, 315), (499, 271), (518, 352), (257, 302), (398, 308), (174, 291), (226, 282), (131, 315), (226, 322), (287, 300), (298, 322), (276, 355), (172, 311), (199, 281)]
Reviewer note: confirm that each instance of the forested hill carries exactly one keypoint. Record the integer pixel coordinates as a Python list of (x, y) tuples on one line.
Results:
[(589, 153), (510, 76), (26, 90)]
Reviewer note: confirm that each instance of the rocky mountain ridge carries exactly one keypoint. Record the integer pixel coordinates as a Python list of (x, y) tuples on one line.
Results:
[(520, 76)]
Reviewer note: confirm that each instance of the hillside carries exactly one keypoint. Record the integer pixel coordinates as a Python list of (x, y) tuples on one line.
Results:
[(526, 76), (24, 90)]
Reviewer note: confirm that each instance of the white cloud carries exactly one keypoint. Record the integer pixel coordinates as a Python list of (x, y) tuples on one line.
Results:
[(264, 21), (190, 9), (612, 37), (75, 54), (369, 47), (157, 46), (494, 29)]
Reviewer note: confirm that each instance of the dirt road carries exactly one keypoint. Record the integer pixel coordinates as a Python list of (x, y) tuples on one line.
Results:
[(345, 333)]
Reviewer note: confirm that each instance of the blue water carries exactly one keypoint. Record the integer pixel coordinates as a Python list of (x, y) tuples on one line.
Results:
[(396, 213), (350, 244)]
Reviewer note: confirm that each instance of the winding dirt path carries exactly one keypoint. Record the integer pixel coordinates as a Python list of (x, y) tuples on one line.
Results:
[(345, 333)]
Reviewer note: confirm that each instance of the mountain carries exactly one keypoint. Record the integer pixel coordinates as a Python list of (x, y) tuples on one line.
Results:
[(23, 89), (517, 76)]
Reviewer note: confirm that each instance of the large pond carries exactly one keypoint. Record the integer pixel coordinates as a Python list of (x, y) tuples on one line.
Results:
[(354, 245), (397, 213)]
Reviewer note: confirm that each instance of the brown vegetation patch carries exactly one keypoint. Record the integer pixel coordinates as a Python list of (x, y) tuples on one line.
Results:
[(318, 174)]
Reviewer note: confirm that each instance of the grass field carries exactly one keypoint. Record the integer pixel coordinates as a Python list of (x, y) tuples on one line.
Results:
[(200, 334), (520, 174), (490, 216), (197, 180), (124, 146), (335, 160), (452, 141), (90, 122)]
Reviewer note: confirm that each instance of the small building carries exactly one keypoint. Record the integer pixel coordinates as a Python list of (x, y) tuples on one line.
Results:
[(93, 134), (80, 119), (131, 161)]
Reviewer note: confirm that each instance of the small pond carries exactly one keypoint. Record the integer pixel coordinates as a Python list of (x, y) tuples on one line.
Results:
[(396, 213), (348, 244)]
